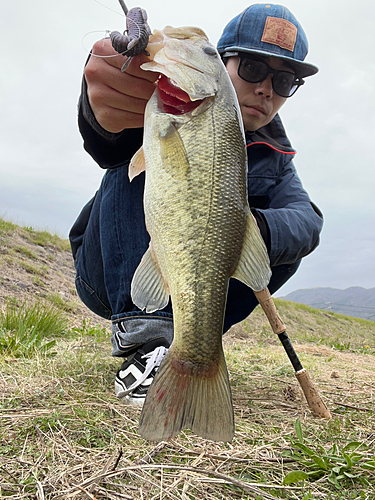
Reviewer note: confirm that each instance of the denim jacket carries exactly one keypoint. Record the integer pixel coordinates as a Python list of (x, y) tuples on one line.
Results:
[(290, 223)]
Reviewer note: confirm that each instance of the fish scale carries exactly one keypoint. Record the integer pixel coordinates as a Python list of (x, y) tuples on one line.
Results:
[(202, 233)]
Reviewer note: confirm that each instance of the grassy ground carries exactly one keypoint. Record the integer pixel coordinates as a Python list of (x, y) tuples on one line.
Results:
[(63, 434)]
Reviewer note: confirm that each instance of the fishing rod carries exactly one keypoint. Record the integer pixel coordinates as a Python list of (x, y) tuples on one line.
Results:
[(315, 402)]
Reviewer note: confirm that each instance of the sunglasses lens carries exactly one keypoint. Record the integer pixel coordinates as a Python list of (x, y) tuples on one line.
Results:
[(252, 71), (283, 83)]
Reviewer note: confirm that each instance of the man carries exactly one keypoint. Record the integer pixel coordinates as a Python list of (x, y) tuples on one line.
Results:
[(264, 49)]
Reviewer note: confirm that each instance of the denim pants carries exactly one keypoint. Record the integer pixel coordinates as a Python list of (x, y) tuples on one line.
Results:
[(108, 241)]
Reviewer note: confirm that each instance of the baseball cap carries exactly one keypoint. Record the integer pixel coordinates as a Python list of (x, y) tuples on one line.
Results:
[(268, 30)]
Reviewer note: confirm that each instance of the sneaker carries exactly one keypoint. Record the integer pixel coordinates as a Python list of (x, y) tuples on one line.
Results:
[(138, 371)]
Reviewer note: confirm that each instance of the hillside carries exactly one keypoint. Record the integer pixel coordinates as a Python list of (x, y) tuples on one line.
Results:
[(353, 301), (36, 265), (63, 433)]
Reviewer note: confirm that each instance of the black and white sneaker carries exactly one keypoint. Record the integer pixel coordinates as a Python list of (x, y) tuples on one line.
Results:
[(137, 373)]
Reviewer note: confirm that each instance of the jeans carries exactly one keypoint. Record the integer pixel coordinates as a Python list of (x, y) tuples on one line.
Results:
[(108, 241)]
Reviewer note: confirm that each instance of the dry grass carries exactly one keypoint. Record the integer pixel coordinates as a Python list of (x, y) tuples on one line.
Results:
[(64, 435)]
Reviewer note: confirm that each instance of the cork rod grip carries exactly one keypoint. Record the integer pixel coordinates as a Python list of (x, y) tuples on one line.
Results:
[(269, 308), (315, 402)]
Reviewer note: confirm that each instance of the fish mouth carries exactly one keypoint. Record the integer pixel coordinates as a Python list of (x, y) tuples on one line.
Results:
[(174, 100)]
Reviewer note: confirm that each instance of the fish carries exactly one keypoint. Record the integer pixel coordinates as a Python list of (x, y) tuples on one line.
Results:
[(201, 230)]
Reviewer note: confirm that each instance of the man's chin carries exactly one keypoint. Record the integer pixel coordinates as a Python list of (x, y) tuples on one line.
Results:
[(253, 125), (251, 122)]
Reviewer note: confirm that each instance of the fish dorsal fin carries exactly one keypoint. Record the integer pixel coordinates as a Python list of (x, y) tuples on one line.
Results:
[(253, 268), (173, 153), (137, 164), (148, 289)]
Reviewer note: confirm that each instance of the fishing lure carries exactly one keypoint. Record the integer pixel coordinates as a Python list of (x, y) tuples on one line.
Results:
[(134, 40)]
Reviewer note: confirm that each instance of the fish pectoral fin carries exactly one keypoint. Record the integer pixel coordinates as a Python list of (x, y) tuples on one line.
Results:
[(183, 396), (253, 268), (148, 289), (173, 153), (137, 164)]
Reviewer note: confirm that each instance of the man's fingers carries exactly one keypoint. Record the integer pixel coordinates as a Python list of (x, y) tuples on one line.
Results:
[(103, 50), (118, 99), (124, 83), (115, 120)]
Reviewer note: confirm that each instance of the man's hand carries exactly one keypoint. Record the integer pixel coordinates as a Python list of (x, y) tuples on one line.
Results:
[(118, 100)]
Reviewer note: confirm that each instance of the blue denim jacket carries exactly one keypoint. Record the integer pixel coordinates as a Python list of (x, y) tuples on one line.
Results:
[(289, 222)]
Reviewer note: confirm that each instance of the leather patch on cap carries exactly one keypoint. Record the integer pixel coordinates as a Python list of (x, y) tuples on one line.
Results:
[(280, 32)]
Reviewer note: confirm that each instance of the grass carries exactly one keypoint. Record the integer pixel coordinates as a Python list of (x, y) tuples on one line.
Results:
[(7, 226), (26, 252), (39, 271), (63, 434), (23, 328), (58, 301), (46, 319), (44, 238), (339, 465), (41, 238)]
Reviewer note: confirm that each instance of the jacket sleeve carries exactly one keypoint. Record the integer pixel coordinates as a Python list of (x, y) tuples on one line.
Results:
[(107, 149), (294, 221)]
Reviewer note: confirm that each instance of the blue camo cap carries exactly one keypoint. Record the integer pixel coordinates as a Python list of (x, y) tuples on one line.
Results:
[(268, 30)]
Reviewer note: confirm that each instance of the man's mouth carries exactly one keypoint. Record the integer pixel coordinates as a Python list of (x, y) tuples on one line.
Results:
[(256, 110), (175, 100)]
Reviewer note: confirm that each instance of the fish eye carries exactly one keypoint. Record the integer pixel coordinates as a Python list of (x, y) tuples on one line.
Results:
[(210, 50)]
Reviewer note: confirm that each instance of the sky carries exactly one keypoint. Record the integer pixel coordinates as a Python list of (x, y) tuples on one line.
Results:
[(47, 177)]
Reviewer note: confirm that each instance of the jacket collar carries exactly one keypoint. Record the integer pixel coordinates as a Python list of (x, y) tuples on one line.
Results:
[(272, 135)]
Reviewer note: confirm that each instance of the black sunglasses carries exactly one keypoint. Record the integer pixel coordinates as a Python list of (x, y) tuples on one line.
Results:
[(254, 70)]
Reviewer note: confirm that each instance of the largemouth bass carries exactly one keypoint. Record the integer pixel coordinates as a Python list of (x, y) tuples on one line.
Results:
[(201, 229)]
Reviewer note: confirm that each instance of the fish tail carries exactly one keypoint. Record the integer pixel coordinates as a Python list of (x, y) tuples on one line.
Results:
[(181, 397)]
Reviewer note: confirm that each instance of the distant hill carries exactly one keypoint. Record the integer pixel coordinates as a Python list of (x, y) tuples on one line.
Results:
[(354, 301)]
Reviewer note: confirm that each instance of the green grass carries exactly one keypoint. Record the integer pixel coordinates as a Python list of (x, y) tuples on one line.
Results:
[(24, 328), (40, 271), (49, 321), (58, 301), (24, 251), (44, 238), (353, 461), (7, 226), (326, 328), (91, 331)]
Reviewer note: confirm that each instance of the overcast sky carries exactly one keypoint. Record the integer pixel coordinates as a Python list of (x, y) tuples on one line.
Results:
[(46, 176)]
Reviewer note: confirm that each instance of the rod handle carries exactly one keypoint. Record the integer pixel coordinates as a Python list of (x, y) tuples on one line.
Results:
[(315, 402), (269, 308)]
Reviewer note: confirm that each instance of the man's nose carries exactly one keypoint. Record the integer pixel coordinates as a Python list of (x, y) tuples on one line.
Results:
[(264, 88)]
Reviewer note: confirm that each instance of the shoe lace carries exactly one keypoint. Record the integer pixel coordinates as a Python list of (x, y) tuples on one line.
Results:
[(154, 358)]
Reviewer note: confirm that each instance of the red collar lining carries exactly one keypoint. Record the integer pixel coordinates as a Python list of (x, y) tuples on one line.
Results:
[(272, 147)]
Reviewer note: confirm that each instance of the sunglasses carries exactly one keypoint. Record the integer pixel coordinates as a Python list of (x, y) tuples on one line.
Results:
[(254, 70)]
